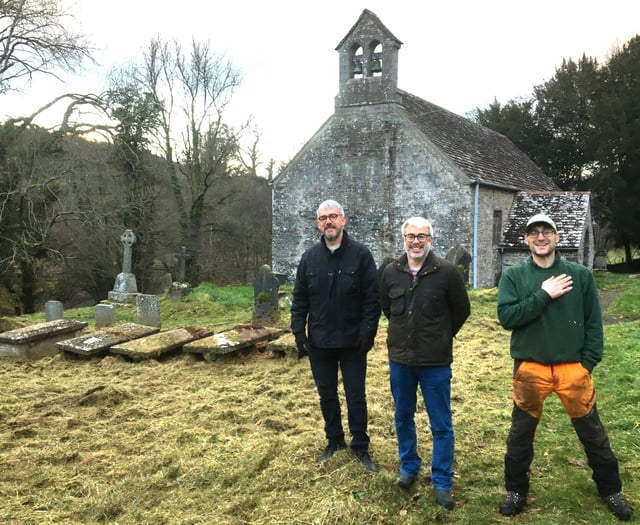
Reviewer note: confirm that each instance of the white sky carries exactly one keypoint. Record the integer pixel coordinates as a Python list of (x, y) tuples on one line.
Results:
[(459, 54)]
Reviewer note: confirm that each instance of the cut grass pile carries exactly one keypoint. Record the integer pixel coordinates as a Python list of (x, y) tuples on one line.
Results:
[(184, 441)]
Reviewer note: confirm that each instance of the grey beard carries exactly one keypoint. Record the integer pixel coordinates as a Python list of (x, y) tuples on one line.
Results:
[(332, 236), (413, 256)]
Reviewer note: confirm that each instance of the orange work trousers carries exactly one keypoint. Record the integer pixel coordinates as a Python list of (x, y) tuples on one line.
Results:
[(533, 382)]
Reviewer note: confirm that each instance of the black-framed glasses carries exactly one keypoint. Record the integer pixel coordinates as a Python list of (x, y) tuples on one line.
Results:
[(420, 236), (332, 216), (547, 234)]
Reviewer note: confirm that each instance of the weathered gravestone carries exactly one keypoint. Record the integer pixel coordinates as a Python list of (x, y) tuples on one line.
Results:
[(105, 315), (148, 309), (99, 342), (53, 310), (161, 343), (38, 340), (182, 256), (164, 284), (230, 341), (125, 289), (266, 309), (600, 259), (181, 287), (461, 258)]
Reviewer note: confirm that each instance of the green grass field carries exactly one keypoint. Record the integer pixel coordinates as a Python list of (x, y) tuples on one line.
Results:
[(185, 441)]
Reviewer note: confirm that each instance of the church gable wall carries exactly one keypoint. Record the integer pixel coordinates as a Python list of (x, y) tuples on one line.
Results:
[(382, 170)]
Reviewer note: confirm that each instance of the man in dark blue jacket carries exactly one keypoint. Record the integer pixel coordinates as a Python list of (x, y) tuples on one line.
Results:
[(336, 302)]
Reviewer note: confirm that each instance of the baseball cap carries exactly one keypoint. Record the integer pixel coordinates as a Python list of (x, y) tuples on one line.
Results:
[(541, 217)]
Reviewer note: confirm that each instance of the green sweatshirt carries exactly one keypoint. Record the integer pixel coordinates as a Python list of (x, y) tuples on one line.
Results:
[(545, 330)]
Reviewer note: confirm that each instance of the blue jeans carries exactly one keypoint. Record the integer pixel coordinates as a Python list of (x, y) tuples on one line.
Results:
[(435, 384), (325, 363)]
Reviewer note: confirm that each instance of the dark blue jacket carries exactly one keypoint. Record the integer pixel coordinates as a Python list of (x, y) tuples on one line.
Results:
[(336, 296)]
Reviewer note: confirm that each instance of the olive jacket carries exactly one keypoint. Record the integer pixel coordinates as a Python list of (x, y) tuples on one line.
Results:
[(425, 312)]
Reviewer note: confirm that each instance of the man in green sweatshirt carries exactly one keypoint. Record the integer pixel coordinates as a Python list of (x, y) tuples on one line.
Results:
[(551, 307)]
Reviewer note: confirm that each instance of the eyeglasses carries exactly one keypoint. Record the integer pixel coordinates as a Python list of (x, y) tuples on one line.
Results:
[(412, 237), (332, 216), (547, 234)]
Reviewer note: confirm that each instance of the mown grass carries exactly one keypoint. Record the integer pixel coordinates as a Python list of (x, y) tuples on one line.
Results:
[(184, 441)]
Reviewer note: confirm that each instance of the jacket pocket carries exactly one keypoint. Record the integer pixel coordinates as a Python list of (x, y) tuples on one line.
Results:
[(312, 282), (349, 281), (398, 301)]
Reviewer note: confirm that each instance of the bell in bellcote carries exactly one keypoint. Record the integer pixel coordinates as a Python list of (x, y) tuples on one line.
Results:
[(376, 66), (357, 67)]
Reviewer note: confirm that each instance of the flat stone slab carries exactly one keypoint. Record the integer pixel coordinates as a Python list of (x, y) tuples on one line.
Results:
[(101, 340), (38, 340), (160, 343), (242, 336)]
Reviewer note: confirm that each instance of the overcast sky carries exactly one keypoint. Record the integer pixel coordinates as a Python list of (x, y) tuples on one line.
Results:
[(459, 54)]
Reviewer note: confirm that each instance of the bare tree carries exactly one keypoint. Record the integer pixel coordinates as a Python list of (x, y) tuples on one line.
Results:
[(250, 155), (193, 88), (34, 177), (34, 39)]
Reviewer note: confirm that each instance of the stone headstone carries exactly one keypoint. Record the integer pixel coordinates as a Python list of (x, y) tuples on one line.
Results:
[(181, 288), (385, 262), (125, 288), (600, 258), (265, 294), (105, 315), (128, 239), (53, 310), (182, 256), (148, 310), (461, 258), (178, 290), (164, 284)]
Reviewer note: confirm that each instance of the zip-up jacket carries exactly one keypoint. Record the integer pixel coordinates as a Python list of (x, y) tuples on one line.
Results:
[(425, 312), (336, 295), (562, 330)]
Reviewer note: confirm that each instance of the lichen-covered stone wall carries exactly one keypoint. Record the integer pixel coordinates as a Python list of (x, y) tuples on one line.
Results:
[(375, 162)]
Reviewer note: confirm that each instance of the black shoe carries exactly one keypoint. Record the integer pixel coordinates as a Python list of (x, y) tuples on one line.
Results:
[(330, 450), (512, 504), (405, 481), (367, 461), (619, 506), (444, 498)]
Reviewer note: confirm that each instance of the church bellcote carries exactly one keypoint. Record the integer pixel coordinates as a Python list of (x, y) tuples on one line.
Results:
[(368, 64)]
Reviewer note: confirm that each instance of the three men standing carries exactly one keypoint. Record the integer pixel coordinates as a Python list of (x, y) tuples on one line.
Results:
[(550, 305)]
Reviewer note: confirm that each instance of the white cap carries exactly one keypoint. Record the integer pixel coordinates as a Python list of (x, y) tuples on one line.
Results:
[(541, 217)]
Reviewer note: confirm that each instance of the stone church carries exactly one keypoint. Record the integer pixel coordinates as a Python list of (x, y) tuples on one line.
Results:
[(387, 155)]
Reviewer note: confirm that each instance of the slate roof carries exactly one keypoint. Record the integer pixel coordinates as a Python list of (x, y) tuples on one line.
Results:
[(482, 154), (569, 210)]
